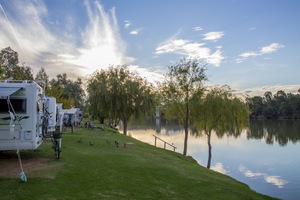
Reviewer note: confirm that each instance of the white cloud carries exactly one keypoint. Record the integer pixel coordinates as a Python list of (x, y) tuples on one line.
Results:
[(264, 50), (127, 24), (102, 45), (271, 48), (198, 28), (136, 31), (96, 45), (213, 36), (248, 54), (190, 49), (216, 58), (259, 91), (152, 76)]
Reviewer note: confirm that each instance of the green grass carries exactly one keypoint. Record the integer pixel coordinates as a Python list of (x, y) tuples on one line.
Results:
[(103, 171)]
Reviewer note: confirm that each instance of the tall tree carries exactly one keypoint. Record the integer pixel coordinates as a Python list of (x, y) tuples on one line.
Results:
[(98, 95), (183, 81), (221, 112), (122, 93), (9, 60), (71, 90), (43, 76)]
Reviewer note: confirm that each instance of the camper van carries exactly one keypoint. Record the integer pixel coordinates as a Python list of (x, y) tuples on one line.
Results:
[(50, 109), (21, 115)]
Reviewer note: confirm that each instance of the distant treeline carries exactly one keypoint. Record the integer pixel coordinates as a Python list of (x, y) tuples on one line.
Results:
[(277, 106)]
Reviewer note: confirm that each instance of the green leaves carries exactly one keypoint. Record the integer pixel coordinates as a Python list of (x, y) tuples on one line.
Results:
[(9, 60), (222, 112), (183, 82), (117, 93)]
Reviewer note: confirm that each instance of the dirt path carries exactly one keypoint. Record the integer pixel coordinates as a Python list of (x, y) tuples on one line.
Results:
[(33, 166)]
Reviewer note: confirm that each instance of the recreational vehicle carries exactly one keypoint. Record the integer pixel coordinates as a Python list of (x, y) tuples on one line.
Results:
[(21, 111)]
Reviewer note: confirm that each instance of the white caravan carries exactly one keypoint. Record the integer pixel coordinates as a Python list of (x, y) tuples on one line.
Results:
[(24, 109), (50, 107)]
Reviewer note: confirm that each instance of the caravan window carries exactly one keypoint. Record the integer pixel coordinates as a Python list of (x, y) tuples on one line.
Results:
[(19, 105)]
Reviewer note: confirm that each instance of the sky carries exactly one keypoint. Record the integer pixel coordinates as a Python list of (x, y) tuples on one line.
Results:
[(251, 45)]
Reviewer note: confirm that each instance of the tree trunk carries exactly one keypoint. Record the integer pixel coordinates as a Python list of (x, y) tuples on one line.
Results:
[(101, 120), (186, 126), (125, 126), (209, 150), (186, 134)]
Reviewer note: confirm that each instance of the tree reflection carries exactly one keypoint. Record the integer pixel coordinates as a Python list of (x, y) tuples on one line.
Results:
[(220, 112), (272, 131)]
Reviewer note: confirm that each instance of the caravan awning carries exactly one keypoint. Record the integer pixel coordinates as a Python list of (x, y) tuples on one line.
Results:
[(7, 91)]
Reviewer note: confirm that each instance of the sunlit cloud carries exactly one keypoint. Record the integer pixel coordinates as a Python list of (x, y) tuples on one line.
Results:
[(102, 43), (274, 180), (153, 76), (259, 91), (95, 46), (193, 50), (31, 36), (214, 36), (264, 50)]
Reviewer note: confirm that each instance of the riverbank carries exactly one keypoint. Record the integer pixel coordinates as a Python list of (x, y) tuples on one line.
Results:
[(98, 164)]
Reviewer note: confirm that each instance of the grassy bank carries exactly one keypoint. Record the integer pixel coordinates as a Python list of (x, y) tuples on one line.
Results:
[(104, 171)]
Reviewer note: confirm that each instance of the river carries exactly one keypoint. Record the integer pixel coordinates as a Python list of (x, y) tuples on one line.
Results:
[(265, 156)]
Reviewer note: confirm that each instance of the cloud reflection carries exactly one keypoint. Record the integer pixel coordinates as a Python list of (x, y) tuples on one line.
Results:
[(219, 167), (274, 180)]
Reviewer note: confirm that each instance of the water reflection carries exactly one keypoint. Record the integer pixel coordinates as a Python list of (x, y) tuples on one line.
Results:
[(274, 180), (219, 167), (280, 131), (264, 156)]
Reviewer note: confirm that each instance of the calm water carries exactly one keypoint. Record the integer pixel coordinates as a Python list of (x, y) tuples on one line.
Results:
[(265, 156)]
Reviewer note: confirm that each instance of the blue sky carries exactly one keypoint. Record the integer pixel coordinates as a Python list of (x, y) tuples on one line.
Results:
[(250, 45)]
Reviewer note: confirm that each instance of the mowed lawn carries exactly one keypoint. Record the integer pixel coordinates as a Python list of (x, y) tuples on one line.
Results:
[(104, 171)]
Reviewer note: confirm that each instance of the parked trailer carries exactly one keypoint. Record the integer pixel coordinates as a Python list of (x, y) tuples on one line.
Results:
[(21, 111), (51, 111)]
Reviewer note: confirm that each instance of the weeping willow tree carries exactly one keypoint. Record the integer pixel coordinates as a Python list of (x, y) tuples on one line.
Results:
[(221, 112), (118, 94), (183, 82)]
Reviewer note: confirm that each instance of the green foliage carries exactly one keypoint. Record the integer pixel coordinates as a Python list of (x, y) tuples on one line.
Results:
[(68, 92), (184, 82), (220, 111), (277, 106), (9, 60), (118, 94), (43, 79)]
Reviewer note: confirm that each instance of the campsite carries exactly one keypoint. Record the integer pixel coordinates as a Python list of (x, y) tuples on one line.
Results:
[(104, 171)]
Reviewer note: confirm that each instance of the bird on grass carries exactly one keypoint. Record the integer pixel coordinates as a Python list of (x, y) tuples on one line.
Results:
[(117, 144), (90, 143)]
